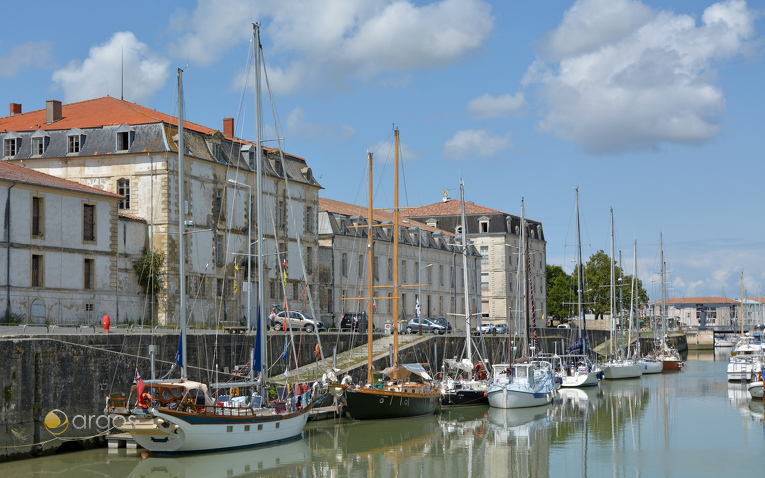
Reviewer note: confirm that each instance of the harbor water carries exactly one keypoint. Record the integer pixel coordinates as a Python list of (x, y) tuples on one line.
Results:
[(685, 424)]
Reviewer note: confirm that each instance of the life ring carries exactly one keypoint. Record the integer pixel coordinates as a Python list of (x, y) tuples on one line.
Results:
[(235, 392), (318, 351)]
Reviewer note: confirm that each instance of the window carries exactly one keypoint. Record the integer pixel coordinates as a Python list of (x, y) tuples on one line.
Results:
[(38, 146), (74, 144), (295, 290), (308, 219), (483, 225), (88, 222), (390, 269), (402, 272), (216, 151), (38, 216), (195, 286), (272, 289), (218, 206), (458, 230), (451, 277), (37, 270), (280, 213), (376, 268), (124, 138), (484, 254), (484, 280), (330, 305), (344, 265), (430, 274), (219, 289), (441, 274), (390, 302), (219, 249), (11, 145), (309, 260), (87, 274), (123, 189), (361, 266)]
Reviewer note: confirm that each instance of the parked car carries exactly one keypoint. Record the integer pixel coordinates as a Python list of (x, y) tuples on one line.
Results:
[(487, 328), (297, 320), (428, 326), (501, 328), (444, 322), (354, 321), (564, 326)]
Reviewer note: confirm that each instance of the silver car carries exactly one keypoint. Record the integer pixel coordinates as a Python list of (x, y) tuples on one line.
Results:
[(298, 320)]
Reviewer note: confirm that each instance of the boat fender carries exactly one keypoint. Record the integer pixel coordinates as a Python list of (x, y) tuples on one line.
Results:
[(601, 374), (318, 351), (558, 380)]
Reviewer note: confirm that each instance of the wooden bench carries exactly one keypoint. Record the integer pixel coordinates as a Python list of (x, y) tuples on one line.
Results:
[(233, 326)]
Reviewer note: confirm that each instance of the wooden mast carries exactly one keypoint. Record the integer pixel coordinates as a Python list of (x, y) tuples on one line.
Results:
[(370, 278), (395, 257)]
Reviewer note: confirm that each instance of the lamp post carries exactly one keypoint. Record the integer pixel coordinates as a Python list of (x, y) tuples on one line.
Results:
[(237, 184)]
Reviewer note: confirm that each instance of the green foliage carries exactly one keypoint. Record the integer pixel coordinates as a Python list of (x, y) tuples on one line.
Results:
[(561, 288), (149, 270), (13, 318)]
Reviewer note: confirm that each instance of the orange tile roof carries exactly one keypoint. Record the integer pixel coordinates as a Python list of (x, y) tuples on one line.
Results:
[(452, 207), (20, 174), (103, 111), (697, 300), (346, 209)]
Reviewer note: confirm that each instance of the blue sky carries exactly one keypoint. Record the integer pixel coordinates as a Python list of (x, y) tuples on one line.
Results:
[(654, 108)]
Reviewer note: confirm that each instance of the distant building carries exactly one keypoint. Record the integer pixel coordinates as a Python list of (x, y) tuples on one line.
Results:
[(131, 150), (497, 236), (63, 243), (430, 267), (706, 312)]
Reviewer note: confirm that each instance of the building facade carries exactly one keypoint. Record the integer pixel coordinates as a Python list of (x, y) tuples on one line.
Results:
[(714, 312), (61, 250), (497, 237), (430, 267), (130, 150)]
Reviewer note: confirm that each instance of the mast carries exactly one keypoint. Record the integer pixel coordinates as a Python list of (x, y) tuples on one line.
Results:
[(370, 278), (663, 296), (580, 278), (469, 341), (181, 227), (395, 257), (525, 281), (742, 303), (259, 214), (633, 293), (613, 287)]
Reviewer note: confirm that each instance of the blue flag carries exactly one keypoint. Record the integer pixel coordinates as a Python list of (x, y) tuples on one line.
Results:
[(256, 365), (178, 355)]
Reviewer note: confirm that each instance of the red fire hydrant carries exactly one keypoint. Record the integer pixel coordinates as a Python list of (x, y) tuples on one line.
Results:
[(106, 323)]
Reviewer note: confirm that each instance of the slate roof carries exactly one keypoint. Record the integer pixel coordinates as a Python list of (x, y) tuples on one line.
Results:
[(20, 174)]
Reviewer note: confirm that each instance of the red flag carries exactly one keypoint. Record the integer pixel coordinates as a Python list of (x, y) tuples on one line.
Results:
[(140, 387)]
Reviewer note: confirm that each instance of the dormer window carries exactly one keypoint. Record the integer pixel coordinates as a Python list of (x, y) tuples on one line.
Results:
[(216, 151), (75, 140), (248, 155), (483, 225), (432, 223), (124, 138), (11, 145), (458, 230), (40, 140)]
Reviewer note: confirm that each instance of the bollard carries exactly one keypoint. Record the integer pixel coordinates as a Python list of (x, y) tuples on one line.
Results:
[(106, 323)]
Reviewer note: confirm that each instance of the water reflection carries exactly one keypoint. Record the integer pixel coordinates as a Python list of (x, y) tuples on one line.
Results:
[(277, 460)]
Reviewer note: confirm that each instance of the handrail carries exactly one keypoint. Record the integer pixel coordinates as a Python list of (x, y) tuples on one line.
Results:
[(172, 327), (53, 327), (24, 330)]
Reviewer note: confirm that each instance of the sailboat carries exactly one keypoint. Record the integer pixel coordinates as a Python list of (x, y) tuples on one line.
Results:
[(527, 381), (461, 391), (619, 366), (650, 364), (401, 390), (182, 415), (669, 357), (577, 370), (749, 359)]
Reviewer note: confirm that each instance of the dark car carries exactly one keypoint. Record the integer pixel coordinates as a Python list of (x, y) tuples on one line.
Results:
[(444, 322), (428, 326), (298, 320), (354, 322)]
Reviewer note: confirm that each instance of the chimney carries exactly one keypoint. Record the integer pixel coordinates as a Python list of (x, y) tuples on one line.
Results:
[(228, 127), (15, 109), (52, 111)]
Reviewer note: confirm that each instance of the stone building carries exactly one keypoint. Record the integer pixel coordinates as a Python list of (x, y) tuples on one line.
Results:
[(722, 312), (62, 257), (430, 267), (497, 236), (125, 148)]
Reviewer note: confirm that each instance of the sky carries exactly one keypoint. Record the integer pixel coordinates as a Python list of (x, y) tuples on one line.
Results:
[(653, 108)]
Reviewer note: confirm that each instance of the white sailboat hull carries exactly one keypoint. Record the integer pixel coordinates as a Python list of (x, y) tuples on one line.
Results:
[(579, 379), (618, 370), (756, 390), (169, 433), (517, 391), (651, 366)]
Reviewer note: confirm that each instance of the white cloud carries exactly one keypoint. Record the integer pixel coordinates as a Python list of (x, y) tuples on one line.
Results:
[(468, 144), (489, 107), (22, 56), (616, 75), (100, 73), (331, 42), (298, 127)]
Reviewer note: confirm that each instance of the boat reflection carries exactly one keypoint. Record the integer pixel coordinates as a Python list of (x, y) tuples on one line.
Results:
[(738, 394), (277, 460)]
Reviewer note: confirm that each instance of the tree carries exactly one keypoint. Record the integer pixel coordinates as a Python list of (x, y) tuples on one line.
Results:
[(149, 270), (558, 293), (597, 279)]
